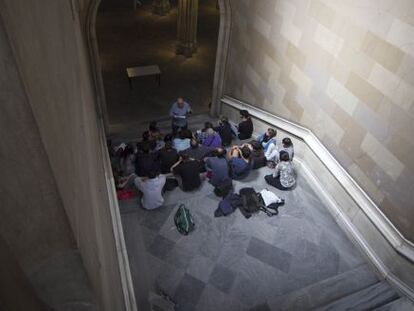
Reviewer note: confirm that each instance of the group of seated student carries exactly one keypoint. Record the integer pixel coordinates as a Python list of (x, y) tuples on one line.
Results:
[(188, 158)]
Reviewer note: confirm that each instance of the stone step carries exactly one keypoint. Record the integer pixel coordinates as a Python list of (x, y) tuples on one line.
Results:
[(401, 304), (369, 298), (326, 291)]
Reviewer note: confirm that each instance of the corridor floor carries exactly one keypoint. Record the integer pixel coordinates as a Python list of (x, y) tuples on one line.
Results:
[(233, 263), (128, 37)]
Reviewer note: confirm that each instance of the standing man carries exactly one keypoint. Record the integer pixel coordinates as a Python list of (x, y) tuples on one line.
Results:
[(179, 112)]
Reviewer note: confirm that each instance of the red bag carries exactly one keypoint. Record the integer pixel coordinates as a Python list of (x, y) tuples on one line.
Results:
[(125, 194)]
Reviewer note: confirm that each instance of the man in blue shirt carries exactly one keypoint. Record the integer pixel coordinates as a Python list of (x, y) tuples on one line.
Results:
[(179, 112)]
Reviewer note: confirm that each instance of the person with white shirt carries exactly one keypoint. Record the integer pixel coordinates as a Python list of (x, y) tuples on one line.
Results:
[(151, 187)]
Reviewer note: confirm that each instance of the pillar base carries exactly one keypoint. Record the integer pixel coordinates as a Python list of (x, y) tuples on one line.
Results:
[(161, 7), (186, 49)]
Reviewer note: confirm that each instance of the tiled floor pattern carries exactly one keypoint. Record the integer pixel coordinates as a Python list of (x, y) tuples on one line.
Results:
[(233, 263)]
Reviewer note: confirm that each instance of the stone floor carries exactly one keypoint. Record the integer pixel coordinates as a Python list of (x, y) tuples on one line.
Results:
[(232, 263), (128, 37)]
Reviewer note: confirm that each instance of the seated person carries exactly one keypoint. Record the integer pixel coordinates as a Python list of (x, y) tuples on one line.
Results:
[(239, 162), (201, 134), (197, 151), (127, 161), (168, 156), (225, 131), (272, 154), (218, 167), (287, 146), (284, 177), (257, 156), (151, 187), (211, 139), (153, 130), (146, 161), (245, 128), (268, 140), (182, 141), (146, 141), (188, 172)]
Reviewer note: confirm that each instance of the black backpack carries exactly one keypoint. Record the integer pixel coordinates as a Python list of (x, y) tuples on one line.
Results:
[(252, 203), (223, 188)]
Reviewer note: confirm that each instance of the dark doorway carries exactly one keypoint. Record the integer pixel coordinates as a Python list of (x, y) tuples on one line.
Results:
[(128, 37)]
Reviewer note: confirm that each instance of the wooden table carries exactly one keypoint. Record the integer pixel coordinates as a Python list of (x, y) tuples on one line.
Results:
[(152, 70)]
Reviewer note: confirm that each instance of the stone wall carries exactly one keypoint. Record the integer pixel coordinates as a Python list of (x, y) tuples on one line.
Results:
[(51, 56), (344, 69), (34, 227)]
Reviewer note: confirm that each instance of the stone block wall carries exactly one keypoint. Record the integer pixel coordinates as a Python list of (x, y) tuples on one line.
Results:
[(344, 69)]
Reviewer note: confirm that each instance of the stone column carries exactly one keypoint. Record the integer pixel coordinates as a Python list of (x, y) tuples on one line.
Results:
[(161, 7), (187, 27)]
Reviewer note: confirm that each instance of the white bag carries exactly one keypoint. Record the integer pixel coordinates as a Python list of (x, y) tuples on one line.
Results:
[(269, 197)]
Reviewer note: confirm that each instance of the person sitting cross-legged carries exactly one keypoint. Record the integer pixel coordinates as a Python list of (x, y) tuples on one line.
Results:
[(187, 171), (151, 187), (257, 156), (225, 131), (198, 151), (284, 177), (239, 162), (245, 127), (211, 139), (217, 166), (168, 156), (268, 140), (145, 160), (182, 140)]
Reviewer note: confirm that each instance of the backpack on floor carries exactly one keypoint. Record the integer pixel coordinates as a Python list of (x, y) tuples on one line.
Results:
[(252, 202), (223, 188), (228, 205), (183, 220)]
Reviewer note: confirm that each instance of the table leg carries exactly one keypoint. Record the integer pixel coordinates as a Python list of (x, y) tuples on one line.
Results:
[(159, 80), (130, 83)]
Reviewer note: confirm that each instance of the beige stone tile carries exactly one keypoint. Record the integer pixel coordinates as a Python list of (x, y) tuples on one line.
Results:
[(402, 149), (382, 156), (402, 35), (356, 61), (340, 95), (386, 54), (322, 13), (295, 109), (272, 68), (253, 76), (328, 40), (296, 56), (364, 91), (301, 79), (292, 33), (406, 70), (393, 86), (262, 26), (323, 125), (365, 182), (365, 163), (339, 71), (352, 34)]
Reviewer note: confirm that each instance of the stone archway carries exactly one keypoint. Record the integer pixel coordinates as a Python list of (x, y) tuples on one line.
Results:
[(220, 64)]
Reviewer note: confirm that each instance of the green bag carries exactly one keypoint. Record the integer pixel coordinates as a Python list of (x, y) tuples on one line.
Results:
[(183, 220)]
